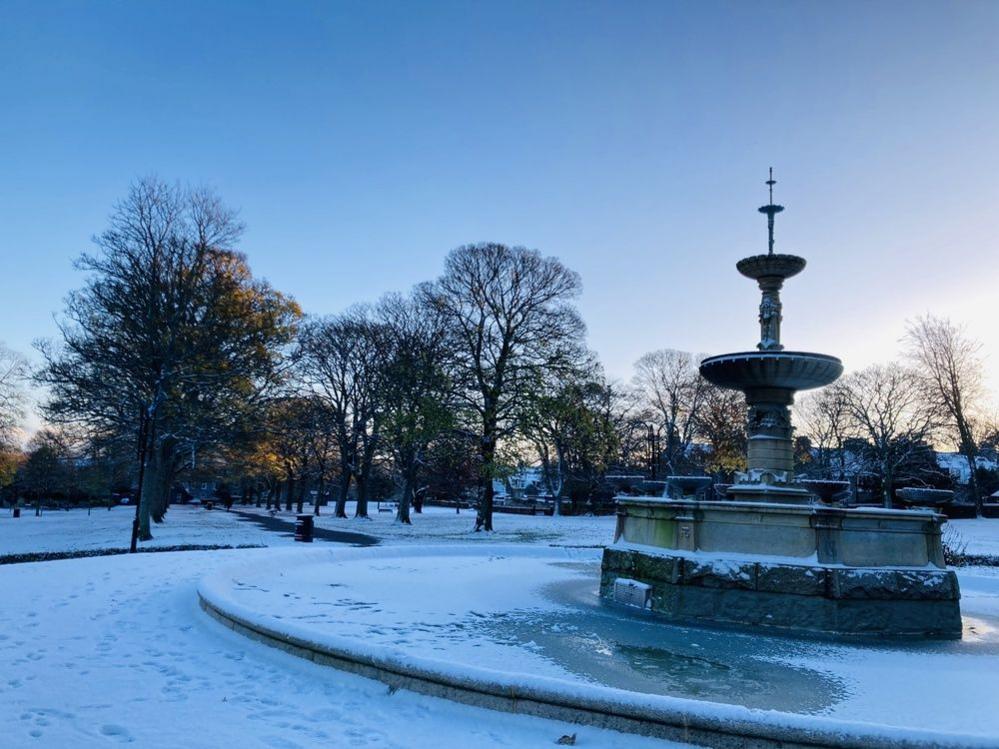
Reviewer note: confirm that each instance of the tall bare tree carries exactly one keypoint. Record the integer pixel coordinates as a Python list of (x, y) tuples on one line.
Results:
[(950, 369), (673, 393), (511, 320), (823, 418), (343, 358), (885, 408), (13, 374)]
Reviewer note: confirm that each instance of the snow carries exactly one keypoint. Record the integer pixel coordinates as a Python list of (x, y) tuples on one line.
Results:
[(440, 524), (105, 650), (100, 651), (980, 534), (75, 530)]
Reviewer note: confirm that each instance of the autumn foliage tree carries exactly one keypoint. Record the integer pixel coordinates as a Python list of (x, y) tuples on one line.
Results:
[(170, 338)]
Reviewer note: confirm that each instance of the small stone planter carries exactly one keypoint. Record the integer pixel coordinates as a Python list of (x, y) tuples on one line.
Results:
[(920, 497)]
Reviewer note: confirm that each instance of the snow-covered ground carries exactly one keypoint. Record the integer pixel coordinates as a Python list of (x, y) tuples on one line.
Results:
[(442, 525), (981, 535), (115, 649), (76, 530), (189, 524), (101, 651), (73, 530)]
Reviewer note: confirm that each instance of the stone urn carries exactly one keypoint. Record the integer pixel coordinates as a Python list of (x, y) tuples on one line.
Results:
[(825, 489), (686, 486), (721, 491), (919, 497)]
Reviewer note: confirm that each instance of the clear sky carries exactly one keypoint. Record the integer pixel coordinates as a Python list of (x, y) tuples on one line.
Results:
[(362, 141)]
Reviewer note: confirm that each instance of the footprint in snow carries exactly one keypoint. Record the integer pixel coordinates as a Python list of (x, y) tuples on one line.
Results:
[(115, 731)]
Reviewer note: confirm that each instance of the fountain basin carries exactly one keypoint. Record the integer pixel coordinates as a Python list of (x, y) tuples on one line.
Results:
[(521, 629), (786, 370)]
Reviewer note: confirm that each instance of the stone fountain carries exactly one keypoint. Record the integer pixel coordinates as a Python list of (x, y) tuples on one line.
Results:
[(775, 553)]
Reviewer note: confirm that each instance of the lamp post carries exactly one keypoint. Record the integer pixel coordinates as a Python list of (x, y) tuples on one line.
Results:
[(654, 438)]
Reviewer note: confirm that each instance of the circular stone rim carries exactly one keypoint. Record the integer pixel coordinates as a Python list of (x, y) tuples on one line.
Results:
[(675, 718)]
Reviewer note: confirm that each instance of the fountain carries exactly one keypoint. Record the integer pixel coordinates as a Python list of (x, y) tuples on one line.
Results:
[(770, 555)]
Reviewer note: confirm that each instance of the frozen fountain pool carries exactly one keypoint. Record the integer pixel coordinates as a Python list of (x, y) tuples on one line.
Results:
[(529, 622)]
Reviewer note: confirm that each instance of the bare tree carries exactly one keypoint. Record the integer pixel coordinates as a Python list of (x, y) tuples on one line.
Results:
[(673, 392), (13, 373), (511, 320), (823, 418), (342, 358), (885, 407), (950, 369), (572, 427)]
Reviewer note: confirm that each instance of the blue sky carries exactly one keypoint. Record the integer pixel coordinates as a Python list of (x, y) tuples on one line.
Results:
[(362, 141)]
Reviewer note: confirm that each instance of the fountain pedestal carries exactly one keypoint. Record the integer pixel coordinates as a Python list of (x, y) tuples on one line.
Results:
[(802, 568)]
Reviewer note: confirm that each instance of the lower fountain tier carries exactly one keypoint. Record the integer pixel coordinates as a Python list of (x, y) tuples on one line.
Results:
[(799, 567), (770, 379)]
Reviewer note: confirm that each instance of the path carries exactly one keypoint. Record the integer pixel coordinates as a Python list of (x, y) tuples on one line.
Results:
[(287, 528)]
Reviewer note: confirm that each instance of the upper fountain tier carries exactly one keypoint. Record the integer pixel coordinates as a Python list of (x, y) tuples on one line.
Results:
[(769, 378), (771, 266)]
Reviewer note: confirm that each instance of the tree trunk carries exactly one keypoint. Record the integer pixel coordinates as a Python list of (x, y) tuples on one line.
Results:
[(140, 525), (303, 485), (162, 462), (887, 484), (969, 453), (362, 497), (289, 495), (340, 510), (408, 484), (484, 516), (319, 495)]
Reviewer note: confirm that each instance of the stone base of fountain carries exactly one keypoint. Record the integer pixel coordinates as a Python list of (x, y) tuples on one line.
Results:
[(806, 568)]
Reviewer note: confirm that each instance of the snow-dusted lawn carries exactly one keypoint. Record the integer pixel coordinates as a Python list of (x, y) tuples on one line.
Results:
[(97, 652), (980, 534), (188, 524), (442, 525), (60, 530), (75, 530)]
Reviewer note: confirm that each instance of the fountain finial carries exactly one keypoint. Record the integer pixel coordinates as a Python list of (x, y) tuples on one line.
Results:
[(771, 210)]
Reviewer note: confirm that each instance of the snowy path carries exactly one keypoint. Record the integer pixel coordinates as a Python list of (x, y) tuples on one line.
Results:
[(103, 651)]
